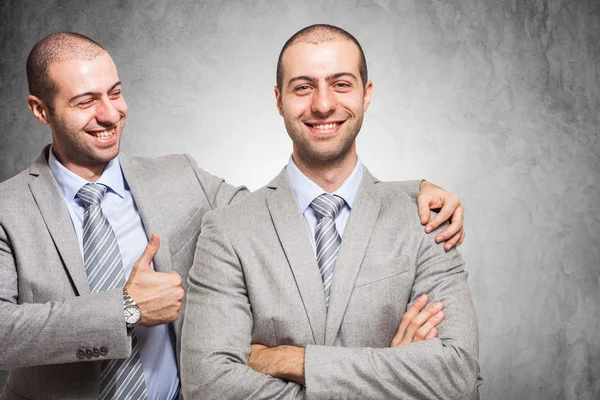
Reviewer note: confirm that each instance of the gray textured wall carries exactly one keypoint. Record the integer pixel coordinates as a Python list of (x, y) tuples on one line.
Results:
[(494, 100)]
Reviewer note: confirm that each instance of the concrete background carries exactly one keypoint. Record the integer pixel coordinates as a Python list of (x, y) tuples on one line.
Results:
[(497, 101)]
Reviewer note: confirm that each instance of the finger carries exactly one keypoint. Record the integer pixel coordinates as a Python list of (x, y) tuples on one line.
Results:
[(431, 323), (423, 205), (418, 321), (454, 229), (177, 280), (451, 242), (432, 334), (462, 238), (149, 252), (450, 204), (179, 293), (417, 306)]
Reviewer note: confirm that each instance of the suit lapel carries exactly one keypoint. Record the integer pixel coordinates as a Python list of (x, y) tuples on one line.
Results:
[(144, 194), (291, 230), (54, 211), (355, 241)]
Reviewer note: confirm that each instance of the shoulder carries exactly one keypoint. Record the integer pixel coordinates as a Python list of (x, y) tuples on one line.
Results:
[(394, 199), (394, 189), (163, 164), (13, 189), (171, 168), (250, 208), (399, 210)]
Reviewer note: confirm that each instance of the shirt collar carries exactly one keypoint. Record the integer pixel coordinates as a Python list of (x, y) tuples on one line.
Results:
[(70, 183), (306, 190)]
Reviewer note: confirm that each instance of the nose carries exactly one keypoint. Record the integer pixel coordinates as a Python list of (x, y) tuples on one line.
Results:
[(323, 102), (106, 113)]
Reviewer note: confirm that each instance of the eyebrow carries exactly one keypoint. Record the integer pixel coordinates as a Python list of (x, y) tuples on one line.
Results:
[(96, 94), (327, 78)]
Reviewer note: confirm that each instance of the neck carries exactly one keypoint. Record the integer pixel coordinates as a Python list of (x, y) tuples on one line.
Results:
[(328, 175), (90, 173)]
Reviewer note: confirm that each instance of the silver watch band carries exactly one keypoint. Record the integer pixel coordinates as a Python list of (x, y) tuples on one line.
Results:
[(127, 300)]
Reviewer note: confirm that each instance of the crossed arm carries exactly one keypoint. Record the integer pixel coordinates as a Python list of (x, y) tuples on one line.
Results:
[(287, 362), (218, 333)]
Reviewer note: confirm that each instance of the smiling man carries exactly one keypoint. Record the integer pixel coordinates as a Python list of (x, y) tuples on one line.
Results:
[(304, 288), (89, 306)]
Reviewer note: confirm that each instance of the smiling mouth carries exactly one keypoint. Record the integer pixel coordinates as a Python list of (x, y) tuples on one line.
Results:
[(325, 127), (104, 134)]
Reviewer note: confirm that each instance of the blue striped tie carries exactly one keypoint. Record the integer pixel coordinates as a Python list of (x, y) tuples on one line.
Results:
[(327, 239), (120, 378)]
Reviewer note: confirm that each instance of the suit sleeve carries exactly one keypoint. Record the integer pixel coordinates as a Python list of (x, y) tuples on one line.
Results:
[(218, 192), (442, 368), (53, 333), (218, 324)]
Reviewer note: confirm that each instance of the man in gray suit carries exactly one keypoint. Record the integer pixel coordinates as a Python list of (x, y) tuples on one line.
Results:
[(298, 290), (72, 227)]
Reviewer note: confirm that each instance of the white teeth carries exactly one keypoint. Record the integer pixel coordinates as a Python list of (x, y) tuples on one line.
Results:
[(105, 134), (326, 126)]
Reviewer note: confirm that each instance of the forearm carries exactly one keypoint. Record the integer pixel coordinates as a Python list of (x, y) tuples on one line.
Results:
[(284, 362), (223, 375), (421, 370), (53, 332)]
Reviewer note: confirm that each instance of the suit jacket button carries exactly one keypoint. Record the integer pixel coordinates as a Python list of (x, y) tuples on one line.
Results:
[(81, 353), (96, 352), (103, 350), (89, 353)]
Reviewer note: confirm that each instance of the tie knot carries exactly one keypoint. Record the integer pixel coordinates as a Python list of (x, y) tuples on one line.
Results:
[(327, 205), (92, 193)]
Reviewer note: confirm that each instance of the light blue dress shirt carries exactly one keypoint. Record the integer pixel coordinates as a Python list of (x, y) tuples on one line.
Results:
[(156, 343), (306, 191)]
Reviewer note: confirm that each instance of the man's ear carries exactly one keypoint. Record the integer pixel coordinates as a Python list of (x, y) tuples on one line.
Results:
[(278, 100), (38, 108), (368, 93)]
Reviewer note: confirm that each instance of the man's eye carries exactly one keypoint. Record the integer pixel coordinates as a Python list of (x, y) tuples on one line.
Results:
[(303, 87), (342, 85), (86, 103), (115, 94)]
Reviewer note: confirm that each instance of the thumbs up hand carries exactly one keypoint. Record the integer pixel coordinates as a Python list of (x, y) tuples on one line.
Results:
[(158, 294)]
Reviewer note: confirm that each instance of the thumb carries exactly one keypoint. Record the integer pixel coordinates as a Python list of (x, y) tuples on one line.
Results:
[(149, 252)]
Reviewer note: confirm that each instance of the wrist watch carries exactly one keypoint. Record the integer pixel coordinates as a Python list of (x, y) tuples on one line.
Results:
[(133, 314)]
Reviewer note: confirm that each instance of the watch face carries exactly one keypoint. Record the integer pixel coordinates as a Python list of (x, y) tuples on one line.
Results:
[(132, 315)]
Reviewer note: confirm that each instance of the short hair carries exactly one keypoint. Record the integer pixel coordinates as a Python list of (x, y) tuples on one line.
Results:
[(317, 34), (57, 47)]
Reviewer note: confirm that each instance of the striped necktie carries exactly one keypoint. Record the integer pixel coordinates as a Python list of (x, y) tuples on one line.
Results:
[(120, 378), (327, 239)]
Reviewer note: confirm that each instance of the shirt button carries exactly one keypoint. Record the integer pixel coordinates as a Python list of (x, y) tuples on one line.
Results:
[(96, 352), (103, 350), (89, 353)]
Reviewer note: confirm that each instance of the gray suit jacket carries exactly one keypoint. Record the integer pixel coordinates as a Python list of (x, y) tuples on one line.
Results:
[(46, 310), (257, 281)]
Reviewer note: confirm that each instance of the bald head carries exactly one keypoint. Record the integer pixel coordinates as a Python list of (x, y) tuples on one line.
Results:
[(317, 34), (54, 48)]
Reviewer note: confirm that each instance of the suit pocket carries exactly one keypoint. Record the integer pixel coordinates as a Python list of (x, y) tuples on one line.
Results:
[(376, 269), (189, 232)]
